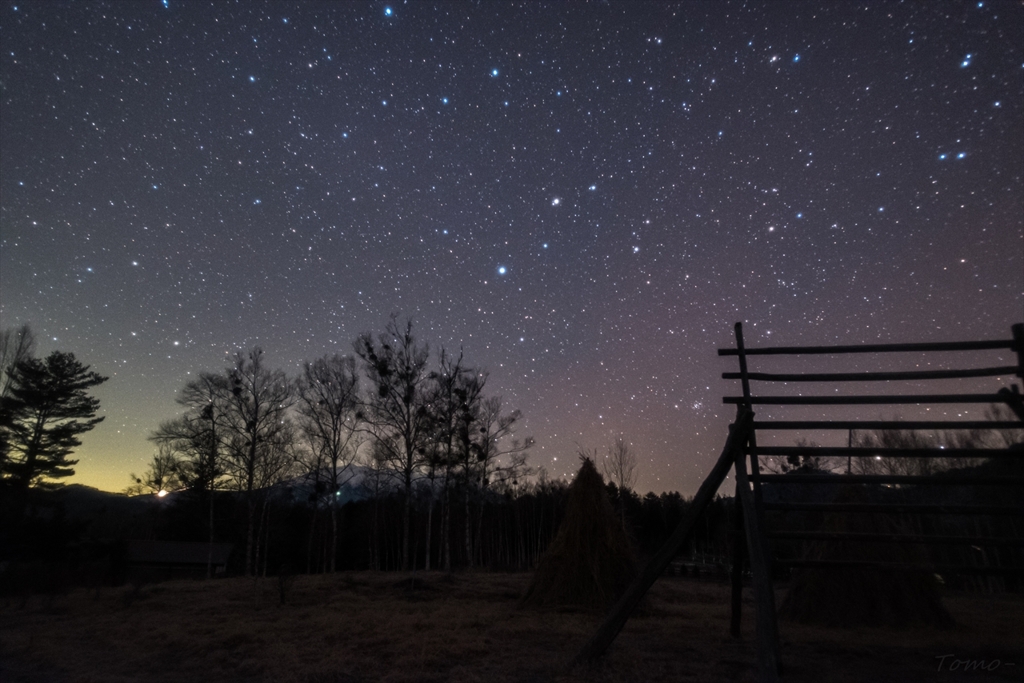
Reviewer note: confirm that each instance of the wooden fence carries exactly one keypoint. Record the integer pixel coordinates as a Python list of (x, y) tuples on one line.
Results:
[(763, 497)]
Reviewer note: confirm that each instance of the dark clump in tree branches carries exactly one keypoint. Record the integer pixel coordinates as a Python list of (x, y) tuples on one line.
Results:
[(396, 409)]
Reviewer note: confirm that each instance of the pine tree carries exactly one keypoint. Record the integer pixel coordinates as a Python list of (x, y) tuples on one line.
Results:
[(45, 412)]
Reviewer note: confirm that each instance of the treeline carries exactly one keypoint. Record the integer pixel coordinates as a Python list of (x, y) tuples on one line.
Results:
[(386, 459), (508, 527), (406, 424)]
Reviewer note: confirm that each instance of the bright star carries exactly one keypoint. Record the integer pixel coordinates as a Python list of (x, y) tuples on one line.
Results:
[(961, 155), (387, 11), (494, 72), (556, 201), (942, 157), (444, 100), (796, 58), (592, 188), (502, 270)]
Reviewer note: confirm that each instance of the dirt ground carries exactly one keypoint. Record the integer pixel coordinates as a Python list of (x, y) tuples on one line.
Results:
[(356, 627)]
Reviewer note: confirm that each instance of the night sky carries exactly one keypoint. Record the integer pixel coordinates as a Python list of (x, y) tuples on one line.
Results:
[(585, 197)]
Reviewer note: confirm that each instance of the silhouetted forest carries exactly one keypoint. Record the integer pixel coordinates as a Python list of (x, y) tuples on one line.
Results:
[(388, 458)]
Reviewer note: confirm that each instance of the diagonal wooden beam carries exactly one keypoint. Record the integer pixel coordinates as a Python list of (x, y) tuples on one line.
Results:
[(620, 612)]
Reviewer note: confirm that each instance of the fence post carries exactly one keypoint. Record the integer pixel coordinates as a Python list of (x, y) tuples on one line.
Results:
[(1018, 345), (738, 543), (768, 663)]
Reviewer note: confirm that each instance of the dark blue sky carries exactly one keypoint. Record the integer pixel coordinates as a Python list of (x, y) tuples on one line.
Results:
[(585, 197)]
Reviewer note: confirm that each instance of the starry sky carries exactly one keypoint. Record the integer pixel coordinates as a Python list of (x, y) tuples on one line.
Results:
[(585, 197)]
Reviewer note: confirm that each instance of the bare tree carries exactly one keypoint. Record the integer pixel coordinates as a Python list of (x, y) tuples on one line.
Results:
[(894, 438), (453, 391), (160, 478), (16, 345), (951, 438), (490, 440), (327, 407), (197, 442), (377, 483), (620, 467), (256, 418), (276, 462), (396, 412)]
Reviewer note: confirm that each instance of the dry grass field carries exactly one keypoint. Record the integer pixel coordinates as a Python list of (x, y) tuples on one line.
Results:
[(356, 627)]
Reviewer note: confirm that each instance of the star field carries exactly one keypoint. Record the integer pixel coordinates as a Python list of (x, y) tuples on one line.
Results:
[(585, 197)]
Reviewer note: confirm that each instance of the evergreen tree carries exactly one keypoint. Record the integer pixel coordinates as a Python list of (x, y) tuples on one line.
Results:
[(46, 410)]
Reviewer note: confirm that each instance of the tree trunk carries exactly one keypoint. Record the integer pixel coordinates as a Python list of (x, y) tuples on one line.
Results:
[(334, 533), (446, 527), (312, 535), (430, 519), (406, 522), (469, 532), (209, 551)]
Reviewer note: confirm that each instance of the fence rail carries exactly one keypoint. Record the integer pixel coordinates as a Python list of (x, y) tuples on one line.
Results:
[(874, 425), (1009, 561), (741, 447), (872, 348), (893, 399), (897, 508), (873, 376)]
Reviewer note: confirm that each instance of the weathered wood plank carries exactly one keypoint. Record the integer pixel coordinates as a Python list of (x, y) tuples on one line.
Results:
[(846, 425), (898, 508), (924, 479), (867, 400), (1010, 370), (874, 348), (769, 666), (858, 452)]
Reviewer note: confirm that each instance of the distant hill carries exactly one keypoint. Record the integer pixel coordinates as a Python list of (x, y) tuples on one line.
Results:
[(85, 501)]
